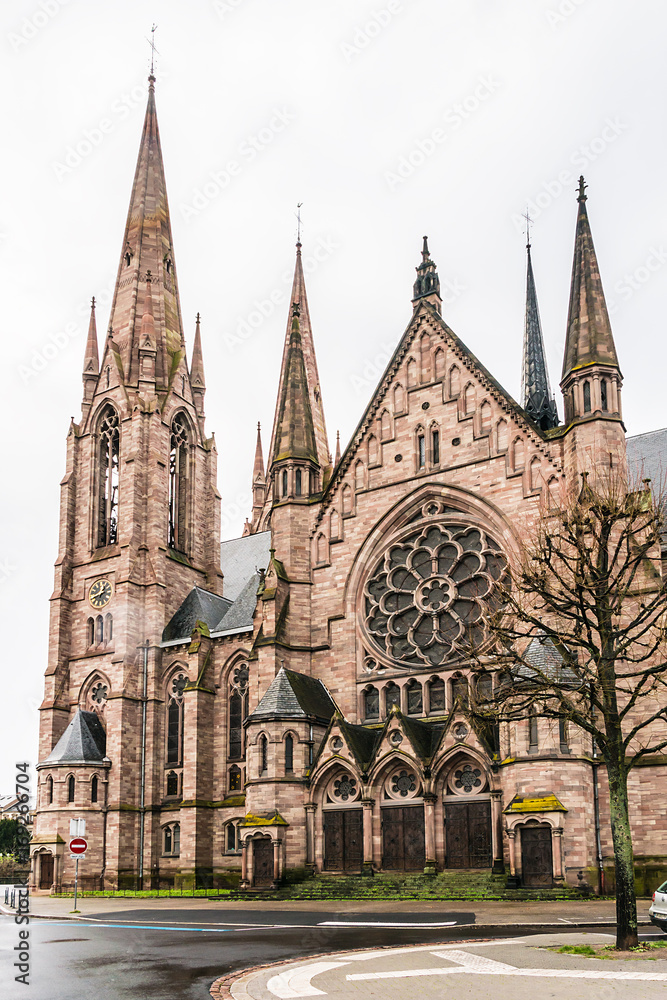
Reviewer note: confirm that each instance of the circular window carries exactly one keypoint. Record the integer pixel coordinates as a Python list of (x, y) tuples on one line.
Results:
[(402, 784), (396, 738), (336, 744), (428, 596), (343, 788)]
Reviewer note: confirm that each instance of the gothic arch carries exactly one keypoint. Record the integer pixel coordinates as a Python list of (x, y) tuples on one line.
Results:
[(180, 481), (447, 762), (107, 475), (95, 692), (325, 773)]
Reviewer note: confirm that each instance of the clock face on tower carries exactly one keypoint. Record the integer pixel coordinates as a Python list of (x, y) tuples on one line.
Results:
[(100, 593)]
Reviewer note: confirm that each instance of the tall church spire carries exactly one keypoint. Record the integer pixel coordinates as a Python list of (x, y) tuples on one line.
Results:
[(536, 395), (294, 428), (314, 393), (197, 379), (91, 361), (589, 339), (427, 282), (147, 246)]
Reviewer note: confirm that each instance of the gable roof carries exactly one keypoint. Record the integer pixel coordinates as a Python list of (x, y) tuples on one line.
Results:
[(295, 696), (199, 605), (83, 742), (241, 613)]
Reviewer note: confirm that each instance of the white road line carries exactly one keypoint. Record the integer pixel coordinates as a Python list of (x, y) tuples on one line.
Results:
[(296, 982), (365, 956), (475, 963), (381, 923), (565, 921), (544, 973)]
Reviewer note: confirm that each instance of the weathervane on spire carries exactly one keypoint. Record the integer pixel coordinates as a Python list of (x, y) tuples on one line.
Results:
[(151, 42), (529, 221), (298, 222), (582, 189)]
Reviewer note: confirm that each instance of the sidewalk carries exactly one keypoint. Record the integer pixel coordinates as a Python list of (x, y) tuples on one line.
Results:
[(561, 913)]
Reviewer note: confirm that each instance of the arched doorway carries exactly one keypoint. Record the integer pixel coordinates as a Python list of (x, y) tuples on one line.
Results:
[(402, 811), (262, 861), (467, 805), (342, 819), (536, 856), (46, 870)]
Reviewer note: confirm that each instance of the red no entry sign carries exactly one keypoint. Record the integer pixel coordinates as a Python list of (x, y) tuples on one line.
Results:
[(78, 845)]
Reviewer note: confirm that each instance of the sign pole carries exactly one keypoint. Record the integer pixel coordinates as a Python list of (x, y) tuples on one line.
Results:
[(76, 880)]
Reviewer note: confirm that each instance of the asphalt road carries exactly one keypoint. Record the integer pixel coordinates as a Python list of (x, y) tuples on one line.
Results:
[(174, 955)]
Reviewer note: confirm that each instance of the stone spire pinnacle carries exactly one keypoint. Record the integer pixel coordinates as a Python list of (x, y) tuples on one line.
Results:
[(337, 459), (294, 435), (589, 339), (197, 379), (258, 475), (314, 393), (427, 282), (91, 361), (536, 395), (147, 246)]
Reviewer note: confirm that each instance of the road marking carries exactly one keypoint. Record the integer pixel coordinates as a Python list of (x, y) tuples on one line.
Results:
[(140, 927), (296, 982), (381, 923), (476, 963), (365, 956), (565, 921)]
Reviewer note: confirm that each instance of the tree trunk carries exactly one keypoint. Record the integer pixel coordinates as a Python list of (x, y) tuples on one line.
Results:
[(626, 900)]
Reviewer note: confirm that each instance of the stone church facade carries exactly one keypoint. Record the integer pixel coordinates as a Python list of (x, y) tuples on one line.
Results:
[(292, 698)]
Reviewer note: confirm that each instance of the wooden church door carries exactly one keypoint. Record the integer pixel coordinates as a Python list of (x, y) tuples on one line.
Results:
[(536, 856), (262, 861), (343, 840), (403, 844), (468, 834)]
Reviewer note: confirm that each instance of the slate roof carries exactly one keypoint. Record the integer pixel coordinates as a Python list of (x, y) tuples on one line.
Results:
[(548, 662), (424, 736), (241, 612), (361, 740), (647, 457), (83, 742), (199, 605), (240, 558), (295, 696)]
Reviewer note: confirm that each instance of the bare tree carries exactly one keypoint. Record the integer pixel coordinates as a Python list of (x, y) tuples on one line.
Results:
[(590, 582)]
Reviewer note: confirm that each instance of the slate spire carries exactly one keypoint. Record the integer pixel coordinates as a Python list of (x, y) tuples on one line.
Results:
[(536, 395), (147, 246), (294, 435), (589, 339), (258, 468), (91, 363), (427, 282), (197, 379), (323, 455)]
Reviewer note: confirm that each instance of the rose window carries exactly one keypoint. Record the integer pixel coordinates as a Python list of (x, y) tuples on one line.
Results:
[(241, 676), (467, 778), (430, 593), (403, 783), (99, 694), (344, 788), (178, 685)]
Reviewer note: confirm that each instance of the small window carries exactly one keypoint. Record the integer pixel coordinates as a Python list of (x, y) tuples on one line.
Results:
[(70, 788), (484, 688), (93, 789), (108, 628), (372, 703), (563, 734), (99, 629), (436, 691), (172, 783), (232, 838), (532, 732), (90, 632), (587, 397), (421, 451), (284, 482), (392, 696), (167, 840), (235, 779), (297, 482), (603, 395), (177, 838), (415, 700), (263, 754), (460, 691), (435, 447), (289, 753), (49, 791)]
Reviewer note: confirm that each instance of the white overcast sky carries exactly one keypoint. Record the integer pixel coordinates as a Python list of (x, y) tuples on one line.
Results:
[(521, 96)]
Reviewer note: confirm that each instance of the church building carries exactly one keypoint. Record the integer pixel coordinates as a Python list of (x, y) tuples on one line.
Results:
[(293, 698)]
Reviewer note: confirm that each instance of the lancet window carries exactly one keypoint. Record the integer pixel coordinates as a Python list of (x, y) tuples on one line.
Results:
[(178, 482), (238, 709), (108, 462), (175, 719)]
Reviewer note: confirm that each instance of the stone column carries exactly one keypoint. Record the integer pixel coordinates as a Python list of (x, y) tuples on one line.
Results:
[(244, 864), (429, 833), (367, 818), (497, 833), (511, 834), (557, 840), (310, 833), (276, 861)]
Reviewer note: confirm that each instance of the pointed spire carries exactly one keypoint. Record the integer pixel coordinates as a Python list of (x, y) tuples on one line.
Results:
[(91, 361), (147, 337), (197, 379), (147, 246), (536, 395), (258, 468), (294, 430), (589, 339), (337, 460), (310, 361), (427, 283)]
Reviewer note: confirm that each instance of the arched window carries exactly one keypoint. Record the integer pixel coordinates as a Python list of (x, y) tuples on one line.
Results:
[(587, 397), (49, 791), (347, 499), (603, 395), (439, 363), (359, 476), (415, 700), (172, 783), (485, 415), (263, 754), (297, 483), (373, 450), (238, 709), (435, 447), (484, 688), (460, 691), (535, 469), (178, 482), (235, 779), (93, 788), (412, 372), (469, 398), (284, 478), (177, 838), (321, 548), (231, 839), (519, 454), (425, 345), (454, 381), (421, 451), (371, 703), (107, 496), (501, 435), (399, 399), (334, 524), (99, 629), (175, 719), (533, 741), (392, 696), (108, 628), (385, 425), (436, 695), (90, 631), (563, 734), (167, 840), (289, 753), (70, 788)]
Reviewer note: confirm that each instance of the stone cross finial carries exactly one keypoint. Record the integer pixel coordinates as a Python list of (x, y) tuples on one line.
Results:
[(582, 188)]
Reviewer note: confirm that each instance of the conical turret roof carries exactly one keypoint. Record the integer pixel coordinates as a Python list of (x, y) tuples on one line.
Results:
[(536, 396), (294, 434)]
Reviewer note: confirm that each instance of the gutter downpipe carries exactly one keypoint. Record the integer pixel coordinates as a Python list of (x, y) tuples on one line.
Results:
[(596, 808), (142, 800)]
